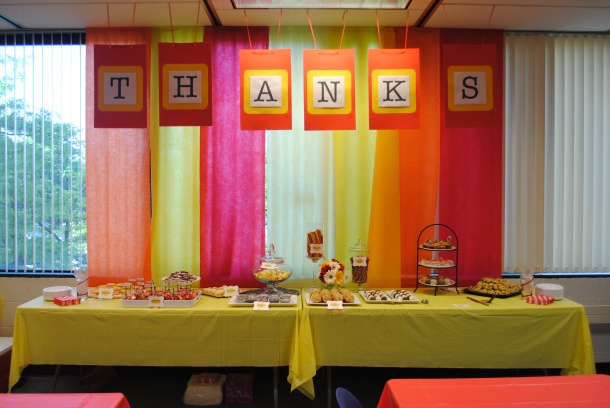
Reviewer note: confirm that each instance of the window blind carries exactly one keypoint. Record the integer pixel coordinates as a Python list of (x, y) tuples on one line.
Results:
[(42, 186), (557, 200)]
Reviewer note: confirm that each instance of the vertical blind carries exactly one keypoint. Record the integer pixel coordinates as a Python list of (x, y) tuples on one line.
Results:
[(557, 134), (42, 152)]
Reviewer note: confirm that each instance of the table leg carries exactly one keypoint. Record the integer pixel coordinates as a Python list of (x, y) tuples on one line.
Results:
[(275, 389), (55, 377), (329, 387)]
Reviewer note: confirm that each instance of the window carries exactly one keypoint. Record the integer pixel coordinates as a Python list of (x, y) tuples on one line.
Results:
[(557, 141), (42, 153)]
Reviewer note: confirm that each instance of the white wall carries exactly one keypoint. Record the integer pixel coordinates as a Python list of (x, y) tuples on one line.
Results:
[(593, 293)]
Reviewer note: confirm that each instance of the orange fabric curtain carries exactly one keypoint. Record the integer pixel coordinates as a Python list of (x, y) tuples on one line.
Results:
[(419, 154), (118, 182)]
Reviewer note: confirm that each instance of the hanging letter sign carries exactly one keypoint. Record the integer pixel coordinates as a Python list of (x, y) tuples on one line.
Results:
[(120, 87), (185, 84), (266, 94), (470, 85), (330, 99), (393, 88)]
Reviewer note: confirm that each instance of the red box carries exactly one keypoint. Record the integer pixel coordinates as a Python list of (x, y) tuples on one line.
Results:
[(66, 300), (539, 300), (239, 389)]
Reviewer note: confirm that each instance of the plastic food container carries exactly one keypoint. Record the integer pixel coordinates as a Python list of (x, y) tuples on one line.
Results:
[(550, 289)]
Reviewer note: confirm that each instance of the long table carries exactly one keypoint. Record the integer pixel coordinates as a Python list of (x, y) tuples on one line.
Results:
[(452, 331), (102, 332), (584, 391), (449, 332)]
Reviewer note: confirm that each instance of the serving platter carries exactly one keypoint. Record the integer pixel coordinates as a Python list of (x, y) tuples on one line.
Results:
[(474, 292), (391, 300), (312, 303), (166, 303), (293, 302)]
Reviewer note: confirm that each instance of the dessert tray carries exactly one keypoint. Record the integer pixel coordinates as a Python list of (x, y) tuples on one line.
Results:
[(392, 296), (282, 300), (312, 303), (500, 296), (496, 287), (166, 303), (181, 277)]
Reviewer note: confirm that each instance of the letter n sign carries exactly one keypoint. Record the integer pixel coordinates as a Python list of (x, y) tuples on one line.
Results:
[(330, 95), (120, 86)]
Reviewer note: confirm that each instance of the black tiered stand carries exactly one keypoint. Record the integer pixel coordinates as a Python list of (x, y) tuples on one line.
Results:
[(438, 231)]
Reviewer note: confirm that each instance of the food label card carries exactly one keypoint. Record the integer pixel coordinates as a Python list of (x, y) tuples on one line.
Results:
[(261, 306)]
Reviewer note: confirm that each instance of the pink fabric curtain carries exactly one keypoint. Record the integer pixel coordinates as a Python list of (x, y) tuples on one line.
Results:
[(232, 169), (471, 172)]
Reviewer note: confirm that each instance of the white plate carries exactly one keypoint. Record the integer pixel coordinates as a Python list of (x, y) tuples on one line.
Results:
[(452, 282), (312, 303), (437, 249), (293, 302), (435, 266), (414, 299)]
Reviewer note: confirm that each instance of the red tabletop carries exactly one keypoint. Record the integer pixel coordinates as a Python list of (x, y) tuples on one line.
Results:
[(591, 391), (105, 400)]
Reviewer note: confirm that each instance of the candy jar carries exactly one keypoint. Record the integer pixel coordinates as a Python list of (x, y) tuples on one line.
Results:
[(272, 270), (359, 257)]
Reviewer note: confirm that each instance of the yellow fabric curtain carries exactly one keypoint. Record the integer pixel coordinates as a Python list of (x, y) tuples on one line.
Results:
[(354, 150), (175, 179)]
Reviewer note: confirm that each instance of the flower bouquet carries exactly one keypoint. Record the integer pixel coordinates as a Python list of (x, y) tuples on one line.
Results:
[(332, 273)]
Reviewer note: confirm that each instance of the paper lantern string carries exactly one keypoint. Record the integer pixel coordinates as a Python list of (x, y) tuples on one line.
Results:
[(248, 29), (488, 23), (197, 22), (133, 24), (344, 24), (312, 33), (407, 29), (108, 16), (171, 21), (378, 32), (279, 24)]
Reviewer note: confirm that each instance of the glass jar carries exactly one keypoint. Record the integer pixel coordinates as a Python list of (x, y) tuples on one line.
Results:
[(272, 270), (359, 257)]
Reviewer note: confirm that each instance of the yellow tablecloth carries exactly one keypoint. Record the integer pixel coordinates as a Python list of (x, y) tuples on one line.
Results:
[(452, 332), (449, 332), (101, 332)]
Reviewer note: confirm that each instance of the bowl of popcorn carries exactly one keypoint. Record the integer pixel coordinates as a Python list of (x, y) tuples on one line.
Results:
[(272, 270)]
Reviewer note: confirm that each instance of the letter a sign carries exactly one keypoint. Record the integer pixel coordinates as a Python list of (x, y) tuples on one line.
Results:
[(330, 98), (185, 88), (120, 86), (266, 94), (394, 88)]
